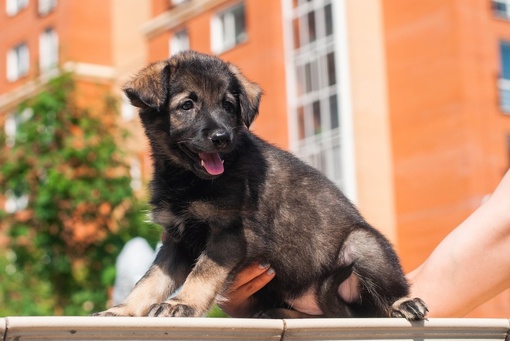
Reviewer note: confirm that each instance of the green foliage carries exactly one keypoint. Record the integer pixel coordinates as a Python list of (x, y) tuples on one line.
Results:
[(81, 209), (216, 312)]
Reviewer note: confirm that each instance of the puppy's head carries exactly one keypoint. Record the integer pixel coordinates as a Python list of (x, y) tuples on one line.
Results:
[(193, 107)]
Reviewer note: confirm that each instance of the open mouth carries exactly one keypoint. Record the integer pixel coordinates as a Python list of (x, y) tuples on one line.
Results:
[(212, 163)]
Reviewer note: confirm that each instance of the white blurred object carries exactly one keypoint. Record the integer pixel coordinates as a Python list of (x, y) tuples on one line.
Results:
[(132, 263)]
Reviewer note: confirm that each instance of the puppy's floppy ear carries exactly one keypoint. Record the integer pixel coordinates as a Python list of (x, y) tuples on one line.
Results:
[(149, 88), (249, 96)]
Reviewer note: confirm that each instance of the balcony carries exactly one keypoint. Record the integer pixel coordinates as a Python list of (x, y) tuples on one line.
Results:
[(144, 328)]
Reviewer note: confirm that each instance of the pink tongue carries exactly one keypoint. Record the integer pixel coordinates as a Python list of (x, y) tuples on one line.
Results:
[(212, 163)]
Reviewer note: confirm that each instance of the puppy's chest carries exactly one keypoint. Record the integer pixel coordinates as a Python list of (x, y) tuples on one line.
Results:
[(212, 206), (214, 212), (196, 215)]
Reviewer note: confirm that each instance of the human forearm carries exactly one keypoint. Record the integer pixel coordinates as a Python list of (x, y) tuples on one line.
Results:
[(471, 264)]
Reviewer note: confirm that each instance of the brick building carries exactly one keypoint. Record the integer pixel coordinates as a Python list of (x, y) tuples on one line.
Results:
[(405, 105), (99, 41)]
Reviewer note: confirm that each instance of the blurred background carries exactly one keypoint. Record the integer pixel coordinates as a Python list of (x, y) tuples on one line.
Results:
[(404, 104)]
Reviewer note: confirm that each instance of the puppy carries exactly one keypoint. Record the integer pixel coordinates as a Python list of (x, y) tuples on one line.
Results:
[(226, 198)]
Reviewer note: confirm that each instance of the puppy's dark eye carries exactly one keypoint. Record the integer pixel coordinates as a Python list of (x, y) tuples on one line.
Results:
[(229, 107), (188, 105)]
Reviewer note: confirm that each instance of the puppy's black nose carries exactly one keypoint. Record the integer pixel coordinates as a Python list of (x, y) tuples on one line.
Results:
[(221, 138)]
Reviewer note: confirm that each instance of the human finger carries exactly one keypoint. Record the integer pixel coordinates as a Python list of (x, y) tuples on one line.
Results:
[(247, 288), (239, 300), (248, 274)]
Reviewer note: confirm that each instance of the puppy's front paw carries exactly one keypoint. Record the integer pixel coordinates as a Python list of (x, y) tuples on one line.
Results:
[(172, 309), (119, 310), (413, 309)]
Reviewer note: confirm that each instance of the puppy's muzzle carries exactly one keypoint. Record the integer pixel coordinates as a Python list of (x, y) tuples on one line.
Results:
[(221, 138)]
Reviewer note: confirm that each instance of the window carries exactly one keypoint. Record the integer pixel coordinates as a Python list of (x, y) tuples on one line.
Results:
[(16, 199), (508, 148), (504, 80), (179, 42), (12, 7), (228, 29), (10, 128), (12, 122), (18, 62), (46, 6), (501, 8), (48, 50), (315, 93)]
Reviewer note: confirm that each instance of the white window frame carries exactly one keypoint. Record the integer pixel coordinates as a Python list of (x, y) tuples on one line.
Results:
[(13, 7), (15, 203), (177, 2), (223, 29), (12, 122), (179, 42), (48, 50), (18, 62), (46, 6), (502, 14), (330, 148), (504, 94), (504, 83), (10, 130)]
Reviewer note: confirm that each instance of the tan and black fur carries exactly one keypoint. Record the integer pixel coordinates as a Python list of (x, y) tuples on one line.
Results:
[(226, 198)]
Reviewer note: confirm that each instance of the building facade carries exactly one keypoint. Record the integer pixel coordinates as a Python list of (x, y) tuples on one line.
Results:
[(99, 41), (405, 105)]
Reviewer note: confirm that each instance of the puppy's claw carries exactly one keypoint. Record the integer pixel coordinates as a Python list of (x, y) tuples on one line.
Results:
[(118, 310), (105, 314), (171, 309), (108, 313), (413, 309)]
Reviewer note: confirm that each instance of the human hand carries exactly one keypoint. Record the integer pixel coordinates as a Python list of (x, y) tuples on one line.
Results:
[(239, 297)]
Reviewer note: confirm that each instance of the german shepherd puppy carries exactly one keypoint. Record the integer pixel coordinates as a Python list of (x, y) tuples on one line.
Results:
[(226, 198)]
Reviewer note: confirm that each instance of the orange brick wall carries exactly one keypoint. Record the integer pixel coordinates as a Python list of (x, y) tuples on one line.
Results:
[(87, 27), (448, 134), (159, 6)]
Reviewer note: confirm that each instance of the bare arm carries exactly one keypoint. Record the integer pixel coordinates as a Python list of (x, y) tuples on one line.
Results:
[(472, 264)]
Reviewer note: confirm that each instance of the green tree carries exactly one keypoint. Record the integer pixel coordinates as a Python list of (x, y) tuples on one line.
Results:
[(80, 209)]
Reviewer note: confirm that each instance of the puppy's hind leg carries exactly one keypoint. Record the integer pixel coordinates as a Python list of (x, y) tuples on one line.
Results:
[(383, 288), (333, 303)]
